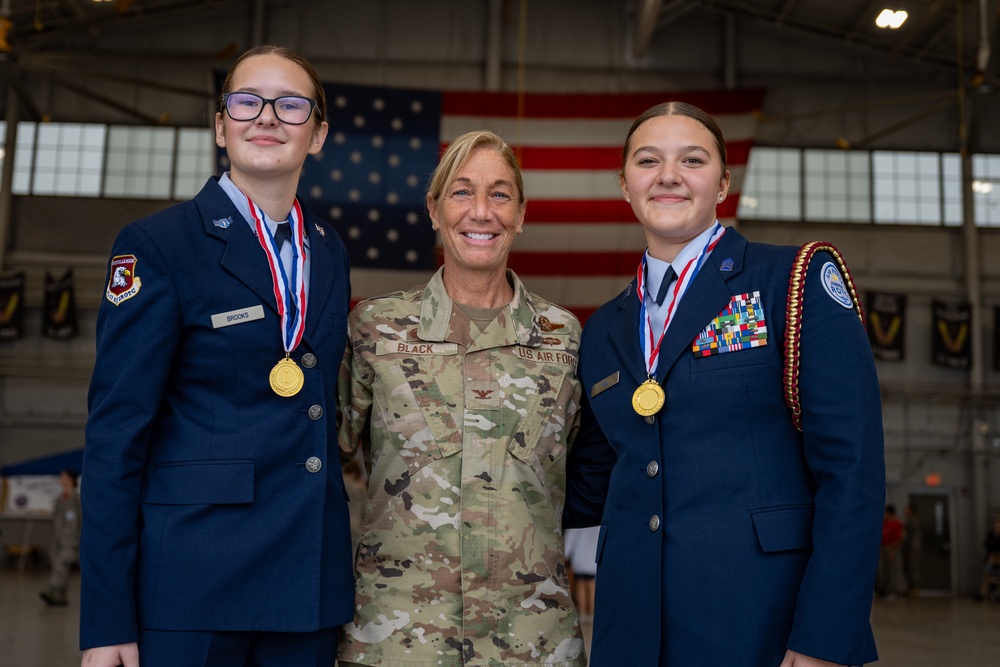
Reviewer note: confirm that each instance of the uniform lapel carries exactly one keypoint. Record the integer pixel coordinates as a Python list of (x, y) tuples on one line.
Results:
[(703, 301), (625, 335), (243, 256), (323, 276)]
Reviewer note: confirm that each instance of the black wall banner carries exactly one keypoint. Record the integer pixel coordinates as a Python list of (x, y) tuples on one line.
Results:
[(886, 320), (12, 306), (950, 339), (59, 318), (996, 338)]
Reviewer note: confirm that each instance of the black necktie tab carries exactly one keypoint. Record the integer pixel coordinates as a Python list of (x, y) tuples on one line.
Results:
[(282, 233), (668, 278)]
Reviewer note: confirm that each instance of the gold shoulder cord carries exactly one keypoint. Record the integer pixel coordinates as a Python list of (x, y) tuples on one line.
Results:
[(793, 317)]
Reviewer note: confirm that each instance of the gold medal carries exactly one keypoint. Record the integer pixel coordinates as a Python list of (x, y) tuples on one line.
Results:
[(286, 378), (648, 398)]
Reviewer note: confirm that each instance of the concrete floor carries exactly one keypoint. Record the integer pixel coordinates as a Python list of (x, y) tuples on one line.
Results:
[(924, 632)]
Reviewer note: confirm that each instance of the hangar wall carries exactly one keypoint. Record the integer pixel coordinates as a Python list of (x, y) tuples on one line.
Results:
[(817, 93)]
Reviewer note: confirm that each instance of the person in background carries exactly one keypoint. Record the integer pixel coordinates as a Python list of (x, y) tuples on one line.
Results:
[(66, 520), (890, 582), (581, 554), (739, 504), (991, 562), (216, 529), (913, 547), (463, 394)]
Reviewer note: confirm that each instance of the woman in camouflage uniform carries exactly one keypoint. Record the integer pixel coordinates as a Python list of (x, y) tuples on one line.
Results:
[(464, 396)]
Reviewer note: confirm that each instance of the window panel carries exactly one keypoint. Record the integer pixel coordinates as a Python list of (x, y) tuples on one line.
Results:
[(62, 155), (859, 209), (196, 161), (141, 163), (837, 209), (860, 186), (773, 185), (986, 190), (910, 191), (91, 182), (824, 185), (884, 210), (830, 177), (44, 183), (928, 212)]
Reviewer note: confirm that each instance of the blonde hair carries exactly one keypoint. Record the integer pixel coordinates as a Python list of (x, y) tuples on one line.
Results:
[(457, 154)]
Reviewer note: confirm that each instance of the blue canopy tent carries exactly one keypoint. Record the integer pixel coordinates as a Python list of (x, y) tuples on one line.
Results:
[(46, 465)]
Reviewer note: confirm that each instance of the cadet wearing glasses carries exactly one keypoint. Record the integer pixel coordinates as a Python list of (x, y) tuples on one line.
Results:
[(289, 109), (216, 529)]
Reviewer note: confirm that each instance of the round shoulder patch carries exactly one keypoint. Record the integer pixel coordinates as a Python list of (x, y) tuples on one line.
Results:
[(834, 285)]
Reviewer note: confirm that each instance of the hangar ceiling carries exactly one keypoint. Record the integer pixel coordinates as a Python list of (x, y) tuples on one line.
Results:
[(931, 34), (943, 32), (76, 44)]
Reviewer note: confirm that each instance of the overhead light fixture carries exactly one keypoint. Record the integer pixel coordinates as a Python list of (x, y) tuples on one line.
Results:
[(982, 187), (891, 19)]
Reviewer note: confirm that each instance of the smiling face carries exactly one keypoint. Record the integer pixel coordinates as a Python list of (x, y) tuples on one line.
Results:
[(674, 178), (265, 147), (479, 212)]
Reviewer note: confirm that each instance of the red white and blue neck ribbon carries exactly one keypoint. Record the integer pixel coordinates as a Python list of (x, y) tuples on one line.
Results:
[(685, 277), (286, 291)]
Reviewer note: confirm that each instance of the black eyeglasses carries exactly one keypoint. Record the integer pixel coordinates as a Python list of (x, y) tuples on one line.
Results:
[(291, 109)]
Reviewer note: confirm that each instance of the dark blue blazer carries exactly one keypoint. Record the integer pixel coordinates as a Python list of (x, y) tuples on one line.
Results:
[(728, 536), (200, 512)]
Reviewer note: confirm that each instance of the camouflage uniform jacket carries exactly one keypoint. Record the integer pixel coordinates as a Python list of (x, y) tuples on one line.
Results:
[(66, 517), (461, 555)]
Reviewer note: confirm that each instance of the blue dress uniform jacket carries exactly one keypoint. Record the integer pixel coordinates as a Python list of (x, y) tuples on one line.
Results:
[(210, 502), (728, 536)]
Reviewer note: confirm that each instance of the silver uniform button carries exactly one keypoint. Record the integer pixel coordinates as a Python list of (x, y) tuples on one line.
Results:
[(654, 523), (313, 464), (652, 468), (315, 412), (308, 360), (650, 419)]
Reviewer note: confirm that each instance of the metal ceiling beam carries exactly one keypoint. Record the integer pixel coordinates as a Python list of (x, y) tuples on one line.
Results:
[(653, 15), (786, 10), (151, 12), (55, 69), (815, 29), (647, 14), (932, 16), (863, 18)]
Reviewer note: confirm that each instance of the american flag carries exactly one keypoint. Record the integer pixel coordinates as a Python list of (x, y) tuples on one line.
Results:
[(581, 243)]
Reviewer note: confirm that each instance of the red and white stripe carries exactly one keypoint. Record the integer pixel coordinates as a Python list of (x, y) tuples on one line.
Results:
[(581, 242)]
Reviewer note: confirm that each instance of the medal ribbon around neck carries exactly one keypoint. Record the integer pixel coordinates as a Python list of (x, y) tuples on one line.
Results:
[(286, 291), (684, 279)]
